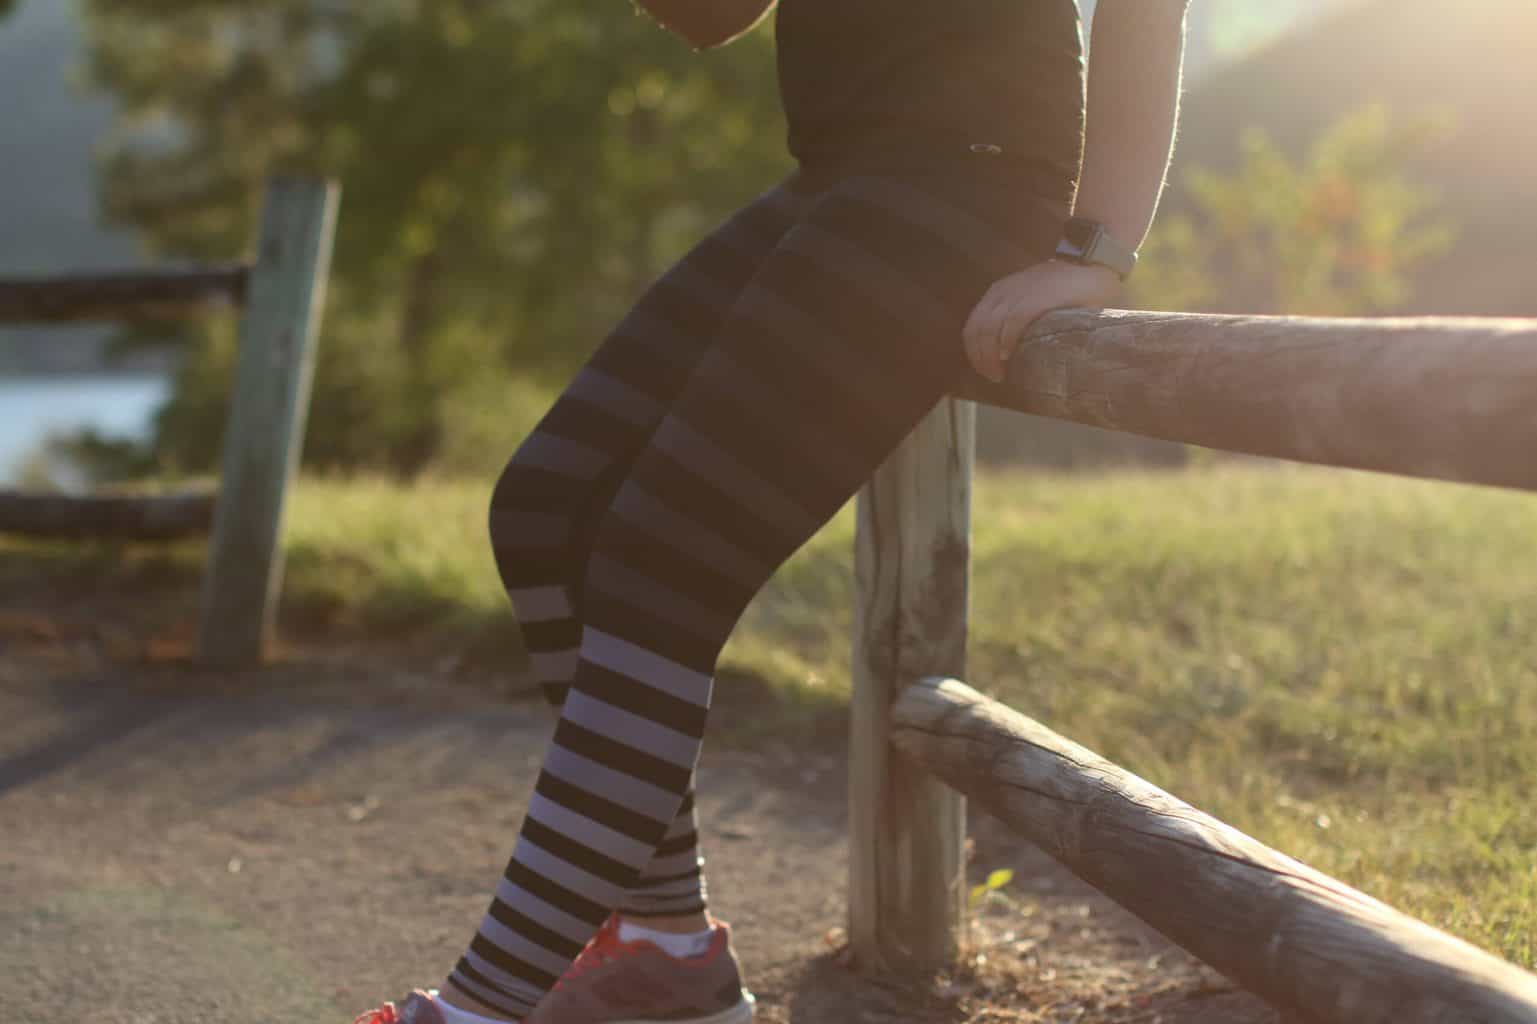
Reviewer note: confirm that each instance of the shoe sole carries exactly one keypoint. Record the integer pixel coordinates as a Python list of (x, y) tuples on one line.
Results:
[(741, 1013)]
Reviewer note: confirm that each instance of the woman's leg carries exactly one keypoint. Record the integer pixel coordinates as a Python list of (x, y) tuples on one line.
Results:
[(846, 336), (549, 497)]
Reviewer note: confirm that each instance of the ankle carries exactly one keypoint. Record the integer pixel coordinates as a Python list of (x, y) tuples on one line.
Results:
[(678, 943), (453, 998), (680, 924)]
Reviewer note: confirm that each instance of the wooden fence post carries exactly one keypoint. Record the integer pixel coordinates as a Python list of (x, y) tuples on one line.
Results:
[(912, 557), (265, 430)]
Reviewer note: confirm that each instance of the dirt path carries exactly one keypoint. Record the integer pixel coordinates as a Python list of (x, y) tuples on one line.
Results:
[(293, 844)]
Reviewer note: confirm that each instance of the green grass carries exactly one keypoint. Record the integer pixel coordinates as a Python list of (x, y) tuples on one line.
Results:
[(1337, 663)]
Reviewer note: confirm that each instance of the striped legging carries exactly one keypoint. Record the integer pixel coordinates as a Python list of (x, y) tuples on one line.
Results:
[(733, 411)]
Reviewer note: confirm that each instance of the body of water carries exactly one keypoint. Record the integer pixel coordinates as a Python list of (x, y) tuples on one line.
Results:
[(31, 408)]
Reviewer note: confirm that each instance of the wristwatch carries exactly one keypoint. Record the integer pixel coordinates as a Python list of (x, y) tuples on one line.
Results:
[(1086, 241)]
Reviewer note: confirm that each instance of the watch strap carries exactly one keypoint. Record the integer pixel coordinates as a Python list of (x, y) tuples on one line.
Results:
[(1087, 241)]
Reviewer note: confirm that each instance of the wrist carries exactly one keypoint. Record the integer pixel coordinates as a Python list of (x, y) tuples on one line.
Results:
[(1099, 279)]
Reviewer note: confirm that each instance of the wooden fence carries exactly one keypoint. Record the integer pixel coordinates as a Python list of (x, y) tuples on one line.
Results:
[(1443, 398), (281, 294)]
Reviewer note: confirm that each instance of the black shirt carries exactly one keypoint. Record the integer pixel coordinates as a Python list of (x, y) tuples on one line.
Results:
[(868, 82)]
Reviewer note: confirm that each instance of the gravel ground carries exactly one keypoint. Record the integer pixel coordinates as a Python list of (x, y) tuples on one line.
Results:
[(299, 842)]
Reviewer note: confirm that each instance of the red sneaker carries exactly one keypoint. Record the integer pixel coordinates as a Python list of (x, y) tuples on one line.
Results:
[(416, 1008), (614, 982)]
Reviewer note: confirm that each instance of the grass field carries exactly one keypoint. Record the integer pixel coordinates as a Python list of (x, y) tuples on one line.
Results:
[(1338, 663)]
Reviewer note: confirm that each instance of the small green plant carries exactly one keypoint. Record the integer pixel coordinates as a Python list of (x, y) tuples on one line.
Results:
[(1337, 231), (991, 889)]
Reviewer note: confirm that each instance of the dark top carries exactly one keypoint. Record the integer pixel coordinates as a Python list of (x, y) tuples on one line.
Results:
[(868, 82)]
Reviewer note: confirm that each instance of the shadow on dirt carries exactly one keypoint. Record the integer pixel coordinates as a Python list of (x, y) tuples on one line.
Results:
[(99, 724)]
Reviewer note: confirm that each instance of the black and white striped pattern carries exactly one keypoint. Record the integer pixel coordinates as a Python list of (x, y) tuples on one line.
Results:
[(743, 400)]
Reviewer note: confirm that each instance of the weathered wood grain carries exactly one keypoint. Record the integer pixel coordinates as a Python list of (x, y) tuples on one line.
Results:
[(120, 295), (107, 516), (266, 419), (1291, 934), (1445, 398), (912, 562)]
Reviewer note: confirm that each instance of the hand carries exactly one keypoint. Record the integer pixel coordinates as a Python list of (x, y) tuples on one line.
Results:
[(1011, 305)]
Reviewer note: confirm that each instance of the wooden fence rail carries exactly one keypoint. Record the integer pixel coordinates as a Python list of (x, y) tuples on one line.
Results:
[(1299, 938), (116, 295), (1440, 398), (281, 294), (108, 516)]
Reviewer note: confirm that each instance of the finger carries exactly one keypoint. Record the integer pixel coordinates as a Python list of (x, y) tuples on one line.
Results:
[(987, 362), (972, 332), (969, 339), (980, 327), (997, 344), (979, 353), (1015, 326)]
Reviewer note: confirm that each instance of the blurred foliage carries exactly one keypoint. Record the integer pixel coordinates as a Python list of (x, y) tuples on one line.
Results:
[(513, 173), (1334, 234), (81, 460)]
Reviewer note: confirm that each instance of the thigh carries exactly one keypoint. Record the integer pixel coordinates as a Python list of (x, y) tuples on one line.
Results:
[(843, 340), (564, 473)]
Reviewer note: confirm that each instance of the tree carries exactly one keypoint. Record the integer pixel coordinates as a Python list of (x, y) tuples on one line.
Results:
[(1336, 234), (513, 173)]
